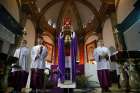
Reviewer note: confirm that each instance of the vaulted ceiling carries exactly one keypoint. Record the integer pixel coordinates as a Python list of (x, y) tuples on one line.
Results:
[(87, 15)]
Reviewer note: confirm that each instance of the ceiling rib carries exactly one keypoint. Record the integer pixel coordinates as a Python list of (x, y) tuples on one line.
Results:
[(84, 2), (92, 8), (47, 6), (77, 15), (60, 16)]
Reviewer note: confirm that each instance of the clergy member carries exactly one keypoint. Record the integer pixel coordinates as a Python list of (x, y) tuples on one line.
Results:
[(102, 57), (38, 55), (20, 74)]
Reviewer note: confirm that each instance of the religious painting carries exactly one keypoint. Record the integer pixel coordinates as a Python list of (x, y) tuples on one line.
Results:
[(50, 48), (90, 51)]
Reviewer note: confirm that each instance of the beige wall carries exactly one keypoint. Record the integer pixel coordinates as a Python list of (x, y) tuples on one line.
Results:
[(12, 7), (30, 30), (108, 37), (124, 8)]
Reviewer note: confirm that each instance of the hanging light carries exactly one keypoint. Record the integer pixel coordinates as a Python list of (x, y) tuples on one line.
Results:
[(84, 25), (50, 22), (54, 25), (25, 31), (39, 10)]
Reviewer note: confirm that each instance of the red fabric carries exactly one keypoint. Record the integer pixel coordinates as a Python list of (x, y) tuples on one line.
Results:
[(37, 78), (67, 22), (18, 79), (104, 78), (67, 52)]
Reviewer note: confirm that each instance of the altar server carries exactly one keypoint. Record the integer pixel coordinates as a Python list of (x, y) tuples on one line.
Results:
[(20, 70), (38, 55), (102, 57)]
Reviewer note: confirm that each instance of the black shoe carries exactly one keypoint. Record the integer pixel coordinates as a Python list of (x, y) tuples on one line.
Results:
[(108, 90), (33, 91), (127, 90), (103, 90), (119, 86)]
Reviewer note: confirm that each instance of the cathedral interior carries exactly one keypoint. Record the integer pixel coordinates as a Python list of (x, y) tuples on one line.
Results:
[(83, 23)]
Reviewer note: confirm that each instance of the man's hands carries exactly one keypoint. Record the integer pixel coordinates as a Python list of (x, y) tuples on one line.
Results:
[(103, 57)]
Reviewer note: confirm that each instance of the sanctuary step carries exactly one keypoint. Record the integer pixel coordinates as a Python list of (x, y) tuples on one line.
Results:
[(67, 84)]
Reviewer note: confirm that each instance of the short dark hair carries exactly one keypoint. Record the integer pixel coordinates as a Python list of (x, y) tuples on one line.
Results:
[(24, 41), (40, 37)]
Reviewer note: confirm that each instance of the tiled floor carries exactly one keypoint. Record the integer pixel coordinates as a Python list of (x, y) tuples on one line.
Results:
[(113, 89)]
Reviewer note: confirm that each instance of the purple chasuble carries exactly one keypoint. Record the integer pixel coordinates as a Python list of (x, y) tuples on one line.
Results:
[(73, 57), (61, 58)]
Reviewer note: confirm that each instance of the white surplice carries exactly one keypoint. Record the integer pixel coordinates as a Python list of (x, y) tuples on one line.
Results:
[(102, 63), (40, 61), (23, 54)]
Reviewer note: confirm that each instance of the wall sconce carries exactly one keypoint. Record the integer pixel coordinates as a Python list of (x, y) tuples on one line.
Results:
[(54, 25), (50, 22), (24, 32), (84, 26), (39, 10)]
